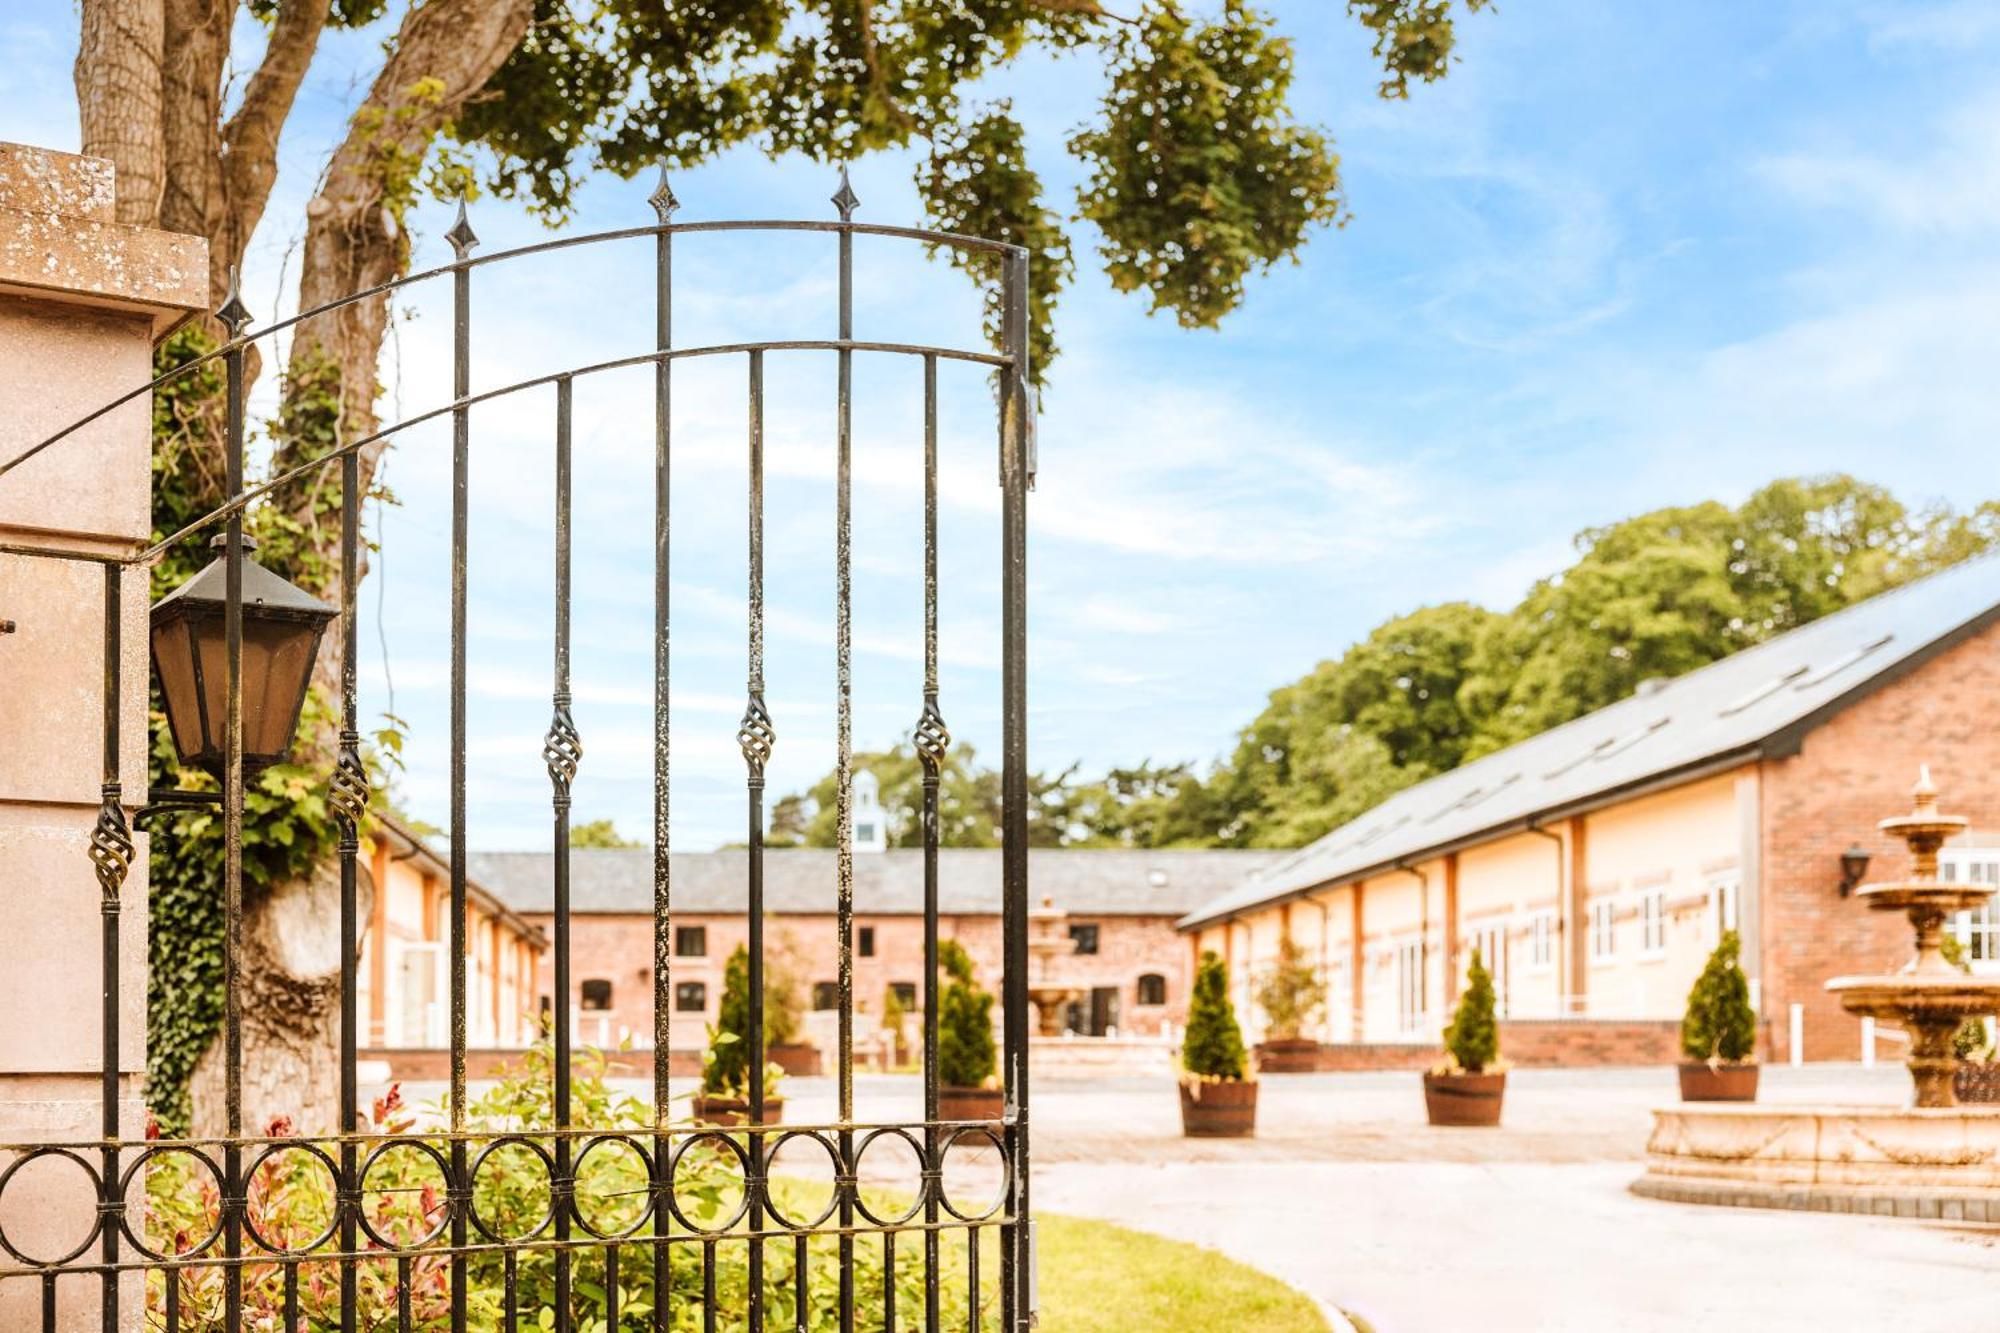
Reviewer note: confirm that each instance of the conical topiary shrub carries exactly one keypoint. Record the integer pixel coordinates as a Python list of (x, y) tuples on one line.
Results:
[(965, 1056), (1472, 1041), (1213, 1047), (725, 1069), (1217, 1101), (1720, 1026), (1719, 1032)]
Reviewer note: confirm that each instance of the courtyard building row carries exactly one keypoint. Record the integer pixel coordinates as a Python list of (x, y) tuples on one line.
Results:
[(1128, 966), (1595, 866)]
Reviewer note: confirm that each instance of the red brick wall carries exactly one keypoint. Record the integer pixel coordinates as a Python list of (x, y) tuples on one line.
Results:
[(619, 949), (1532, 1044), (1851, 773)]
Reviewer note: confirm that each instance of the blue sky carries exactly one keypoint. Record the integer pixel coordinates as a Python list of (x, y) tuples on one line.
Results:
[(1625, 256)]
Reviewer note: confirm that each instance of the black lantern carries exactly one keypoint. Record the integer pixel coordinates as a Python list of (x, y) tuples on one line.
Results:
[(282, 625), (1853, 865)]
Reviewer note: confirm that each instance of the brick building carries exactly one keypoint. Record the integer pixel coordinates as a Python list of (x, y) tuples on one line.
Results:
[(1595, 865), (1130, 961)]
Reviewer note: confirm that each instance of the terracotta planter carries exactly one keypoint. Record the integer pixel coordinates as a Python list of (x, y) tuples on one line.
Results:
[(971, 1103), (1219, 1110), (1288, 1055), (1977, 1082), (736, 1110), (1701, 1082), (1464, 1099), (798, 1059)]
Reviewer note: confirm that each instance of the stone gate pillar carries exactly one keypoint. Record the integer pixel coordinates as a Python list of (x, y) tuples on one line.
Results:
[(82, 299)]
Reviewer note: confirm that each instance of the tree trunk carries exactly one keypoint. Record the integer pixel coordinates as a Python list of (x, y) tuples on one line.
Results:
[(118, 98), (290, 1000)]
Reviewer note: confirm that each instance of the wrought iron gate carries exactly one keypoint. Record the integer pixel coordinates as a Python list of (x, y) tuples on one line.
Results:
[(476, 1264)]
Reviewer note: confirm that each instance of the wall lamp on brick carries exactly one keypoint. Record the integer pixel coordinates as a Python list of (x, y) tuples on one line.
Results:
[(1853, 865)]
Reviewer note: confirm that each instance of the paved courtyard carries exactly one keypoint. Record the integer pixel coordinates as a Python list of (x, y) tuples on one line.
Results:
[(1346, 1193)]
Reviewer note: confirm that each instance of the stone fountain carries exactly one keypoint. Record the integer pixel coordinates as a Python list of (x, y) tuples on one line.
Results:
[(1048, 941), (1933, 1158), (1928, 998)]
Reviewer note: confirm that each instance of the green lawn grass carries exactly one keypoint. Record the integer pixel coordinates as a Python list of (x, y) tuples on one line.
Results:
[(1099, 1278)]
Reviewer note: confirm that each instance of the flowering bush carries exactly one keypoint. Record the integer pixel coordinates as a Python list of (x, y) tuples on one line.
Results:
[(290, 1203)]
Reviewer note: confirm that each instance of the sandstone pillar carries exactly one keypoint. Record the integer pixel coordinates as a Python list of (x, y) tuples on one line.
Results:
[(82, 299)]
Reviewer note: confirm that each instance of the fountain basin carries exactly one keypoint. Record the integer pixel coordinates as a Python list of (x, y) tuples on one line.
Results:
[(1897, 1161), (1952, 995)]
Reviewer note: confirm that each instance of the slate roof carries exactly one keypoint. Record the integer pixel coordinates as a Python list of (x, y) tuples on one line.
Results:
[(1083, 881), (1759, 702)]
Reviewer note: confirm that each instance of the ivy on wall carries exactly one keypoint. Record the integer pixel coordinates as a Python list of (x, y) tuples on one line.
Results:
[(288, 826)]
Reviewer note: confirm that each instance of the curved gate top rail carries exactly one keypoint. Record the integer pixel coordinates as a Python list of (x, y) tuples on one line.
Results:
[(803, 1264)]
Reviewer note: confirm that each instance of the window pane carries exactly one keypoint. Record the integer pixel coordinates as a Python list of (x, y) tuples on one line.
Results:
[(690, 996), (596, 994), (691, 941), (1085, 937), (826, 995), (865, 941)]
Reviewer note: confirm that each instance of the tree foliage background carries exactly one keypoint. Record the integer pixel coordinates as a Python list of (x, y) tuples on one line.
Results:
[(1652, 596)]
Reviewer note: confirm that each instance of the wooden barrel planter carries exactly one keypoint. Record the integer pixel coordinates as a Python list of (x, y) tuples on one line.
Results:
[(1292, 1055), (1977, 1082), (736, 1110), (1219, 1110), (1464, 1099), (797, 1059), (1703, 1082), (971, 1103)]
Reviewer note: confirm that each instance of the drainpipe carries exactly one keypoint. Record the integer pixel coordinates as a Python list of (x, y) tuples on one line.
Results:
[(1565, 971)]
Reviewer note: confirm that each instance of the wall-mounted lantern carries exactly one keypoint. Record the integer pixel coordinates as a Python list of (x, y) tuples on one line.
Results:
[(282, 625), (1853, 866)]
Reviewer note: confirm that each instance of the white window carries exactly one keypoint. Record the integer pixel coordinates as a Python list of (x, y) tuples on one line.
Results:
[(1725, 897), (1653, 922), (1603, 930), (1542, 940), (1977, 931), (1491, 942), (1410, 986)]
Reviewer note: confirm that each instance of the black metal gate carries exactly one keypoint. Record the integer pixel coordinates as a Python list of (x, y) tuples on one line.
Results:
[(474, 1267)]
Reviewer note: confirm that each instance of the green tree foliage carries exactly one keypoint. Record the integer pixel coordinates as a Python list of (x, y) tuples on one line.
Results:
[(1650, 597), (1212, 1047), (1196, 173), (1472, 1038), (1720, 1025), (599, 833), (1291, 993), (966, 1056)]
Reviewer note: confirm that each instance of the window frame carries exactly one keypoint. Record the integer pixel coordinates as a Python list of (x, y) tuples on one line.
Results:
[(683, 989), (700, 936), (1603, 930), (1080, 931), (1653, 921), (825, 990), (1542, 941), (864, 941), (1140, 988), (583, 990)]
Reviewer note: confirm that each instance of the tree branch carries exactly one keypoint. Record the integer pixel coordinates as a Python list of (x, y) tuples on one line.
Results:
[(1081, 8), (250, 138)]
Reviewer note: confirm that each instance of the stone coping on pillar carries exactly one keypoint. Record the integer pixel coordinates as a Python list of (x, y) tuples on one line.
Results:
[(1772, 1150), (58, 239)]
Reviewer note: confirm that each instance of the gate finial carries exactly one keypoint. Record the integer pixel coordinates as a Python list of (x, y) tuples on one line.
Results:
[(235, 316), (844, 198), (662, 198), (461, 235)]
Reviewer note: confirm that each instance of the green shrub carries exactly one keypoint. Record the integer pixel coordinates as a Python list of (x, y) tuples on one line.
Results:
[(965, 1055), (1213, 1046), (1720, 1026), (1291, 994), (725, 1069), (1472, 1039), (290, 1199)]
